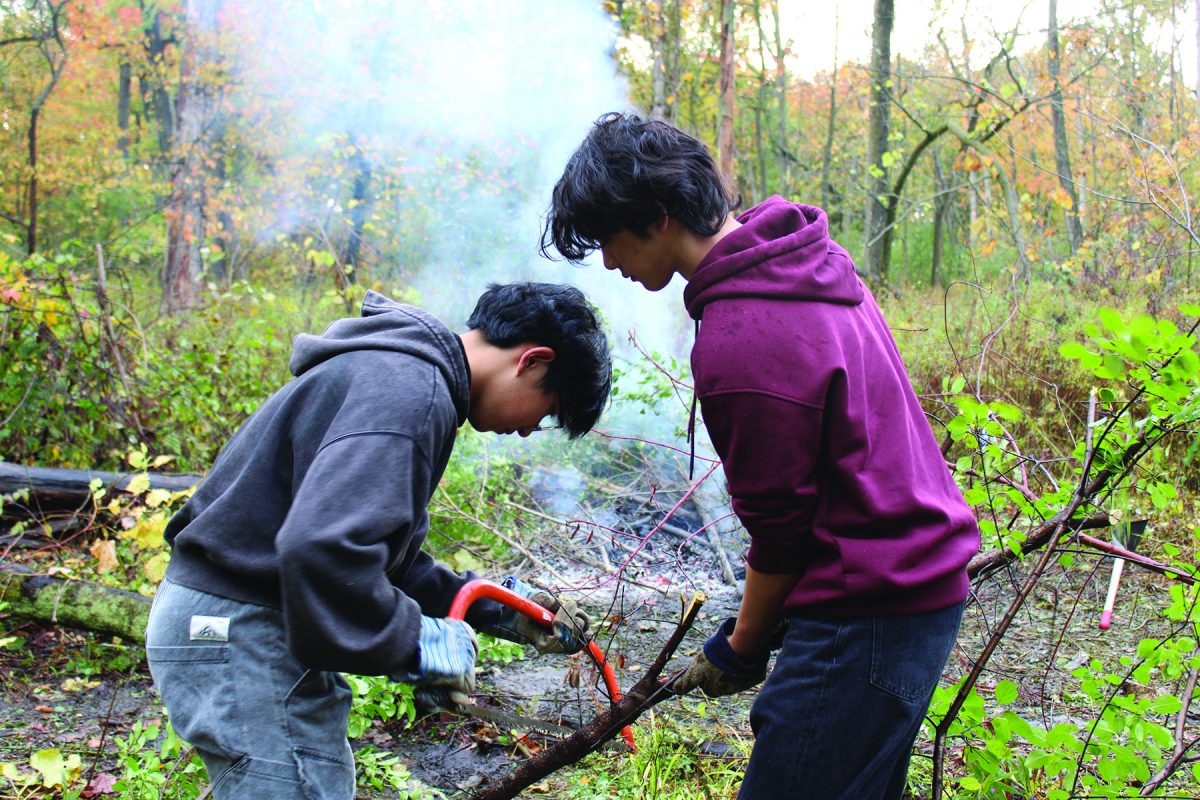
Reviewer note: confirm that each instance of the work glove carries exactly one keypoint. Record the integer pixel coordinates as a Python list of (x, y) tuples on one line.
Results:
[(718, 670), (567, 635), (445, 675)]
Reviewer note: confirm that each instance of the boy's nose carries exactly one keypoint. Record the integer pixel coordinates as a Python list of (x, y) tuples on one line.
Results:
[(523, 432)]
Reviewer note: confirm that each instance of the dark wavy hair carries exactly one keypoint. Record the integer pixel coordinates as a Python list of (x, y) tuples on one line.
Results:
[(628, 173), (561, 318)]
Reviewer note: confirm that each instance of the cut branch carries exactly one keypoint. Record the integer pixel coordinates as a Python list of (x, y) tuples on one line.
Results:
[(645, 694)]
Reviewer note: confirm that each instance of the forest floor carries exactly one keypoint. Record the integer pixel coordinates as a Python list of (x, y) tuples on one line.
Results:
[(81, 693)]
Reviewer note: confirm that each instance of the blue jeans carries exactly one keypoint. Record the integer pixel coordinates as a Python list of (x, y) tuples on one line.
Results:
[(837, 718), (264, 725)]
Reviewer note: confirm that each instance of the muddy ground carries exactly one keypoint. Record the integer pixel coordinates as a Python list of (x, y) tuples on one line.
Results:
[(79, 692)]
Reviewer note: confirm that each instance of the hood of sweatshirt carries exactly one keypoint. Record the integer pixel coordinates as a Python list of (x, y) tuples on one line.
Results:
[(782, 250), (390, 326)]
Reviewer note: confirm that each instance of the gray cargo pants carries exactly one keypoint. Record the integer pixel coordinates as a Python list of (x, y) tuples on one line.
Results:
[(264, 726)]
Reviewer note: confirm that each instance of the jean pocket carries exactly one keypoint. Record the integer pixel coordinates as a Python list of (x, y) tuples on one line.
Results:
[(201, 695), (322, 776), (907, 656)]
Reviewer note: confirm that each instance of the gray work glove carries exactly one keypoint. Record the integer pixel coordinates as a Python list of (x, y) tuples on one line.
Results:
[(445, 675), (567, 635), (718, 670)]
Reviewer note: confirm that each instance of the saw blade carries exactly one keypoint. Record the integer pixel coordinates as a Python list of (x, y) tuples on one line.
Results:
[(510, 720)]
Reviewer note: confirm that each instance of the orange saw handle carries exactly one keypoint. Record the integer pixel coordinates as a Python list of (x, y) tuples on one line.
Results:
[(479, 588)]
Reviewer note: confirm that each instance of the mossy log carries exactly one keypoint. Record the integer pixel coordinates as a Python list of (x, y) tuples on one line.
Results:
[(79, 604)]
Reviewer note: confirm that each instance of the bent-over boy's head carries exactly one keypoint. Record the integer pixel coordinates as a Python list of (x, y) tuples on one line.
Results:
[(630, 173), (570, 355)]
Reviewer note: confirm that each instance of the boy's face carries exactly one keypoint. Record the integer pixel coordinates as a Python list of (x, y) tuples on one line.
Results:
[(513, 400), (649, 261)]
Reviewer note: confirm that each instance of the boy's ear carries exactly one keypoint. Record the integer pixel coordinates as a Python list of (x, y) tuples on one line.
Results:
[(534, 356)]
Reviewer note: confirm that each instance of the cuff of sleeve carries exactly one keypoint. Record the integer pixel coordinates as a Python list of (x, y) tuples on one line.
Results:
[(718, 651)]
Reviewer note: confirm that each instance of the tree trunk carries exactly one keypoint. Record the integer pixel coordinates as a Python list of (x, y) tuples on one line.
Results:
[(827, 191), (79, 604), (31, 202), (877, 139), (784, 144), (1062, 156), (726, 91), (186, 211), (658, 65), (941, 204), (124, 88), (360, 211)]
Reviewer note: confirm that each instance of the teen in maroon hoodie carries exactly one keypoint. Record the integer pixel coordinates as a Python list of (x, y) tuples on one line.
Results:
[(859, 536)]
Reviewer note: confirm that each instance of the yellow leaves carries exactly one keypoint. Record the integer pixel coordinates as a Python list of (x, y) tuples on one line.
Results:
[(138, 484), (156, 567), (147, 532), (53, 768), (105, 553), (1062, 199)]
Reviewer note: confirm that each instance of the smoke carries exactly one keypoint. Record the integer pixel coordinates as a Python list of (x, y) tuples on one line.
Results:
[(465, 112)]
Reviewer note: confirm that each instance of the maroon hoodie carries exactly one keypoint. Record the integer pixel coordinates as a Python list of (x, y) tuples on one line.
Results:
[(831, 464)]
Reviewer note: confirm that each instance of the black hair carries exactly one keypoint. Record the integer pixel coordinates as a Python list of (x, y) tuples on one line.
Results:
[(628, 173), (561, 318)]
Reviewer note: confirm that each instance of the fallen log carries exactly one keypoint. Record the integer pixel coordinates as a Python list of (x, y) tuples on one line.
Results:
[(645, 694), (79, 604), (53, 489)]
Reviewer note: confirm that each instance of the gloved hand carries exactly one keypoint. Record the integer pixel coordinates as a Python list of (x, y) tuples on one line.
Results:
[(445, 674), (567, 635), (718, 670)]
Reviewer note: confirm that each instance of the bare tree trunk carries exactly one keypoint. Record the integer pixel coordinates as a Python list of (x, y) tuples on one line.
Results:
[(877, 138), (658, 66), (1062, 156), (827, 151), (53, 49), (727, 90), (31, 203), (186, 210), (941, 204), (124, 88), (360, 210), (783, 145)]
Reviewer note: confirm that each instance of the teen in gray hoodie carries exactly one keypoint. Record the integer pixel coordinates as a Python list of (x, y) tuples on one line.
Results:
[(300, 557)]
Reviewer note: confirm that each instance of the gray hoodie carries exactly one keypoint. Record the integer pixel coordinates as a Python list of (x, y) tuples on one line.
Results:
[(317, 503)]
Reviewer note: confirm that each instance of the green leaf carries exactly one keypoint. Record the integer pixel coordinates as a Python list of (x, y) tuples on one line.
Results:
[(50, 764), (1006, 692)]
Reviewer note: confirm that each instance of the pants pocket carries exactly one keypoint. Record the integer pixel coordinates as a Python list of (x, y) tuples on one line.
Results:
[(200, 695), (908, 653), (318, 710), (324, 777)]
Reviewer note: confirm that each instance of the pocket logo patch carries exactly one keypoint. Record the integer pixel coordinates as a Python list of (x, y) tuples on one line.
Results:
[(209, 629)]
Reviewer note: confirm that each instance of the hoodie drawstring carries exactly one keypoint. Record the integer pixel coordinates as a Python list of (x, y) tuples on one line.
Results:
[(691, 430)]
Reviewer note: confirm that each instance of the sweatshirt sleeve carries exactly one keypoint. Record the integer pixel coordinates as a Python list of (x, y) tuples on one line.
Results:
[(434, 586), (348, 516), (769, 447)]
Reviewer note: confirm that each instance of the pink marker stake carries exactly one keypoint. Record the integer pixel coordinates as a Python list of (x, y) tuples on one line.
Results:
[(1111, 600)]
